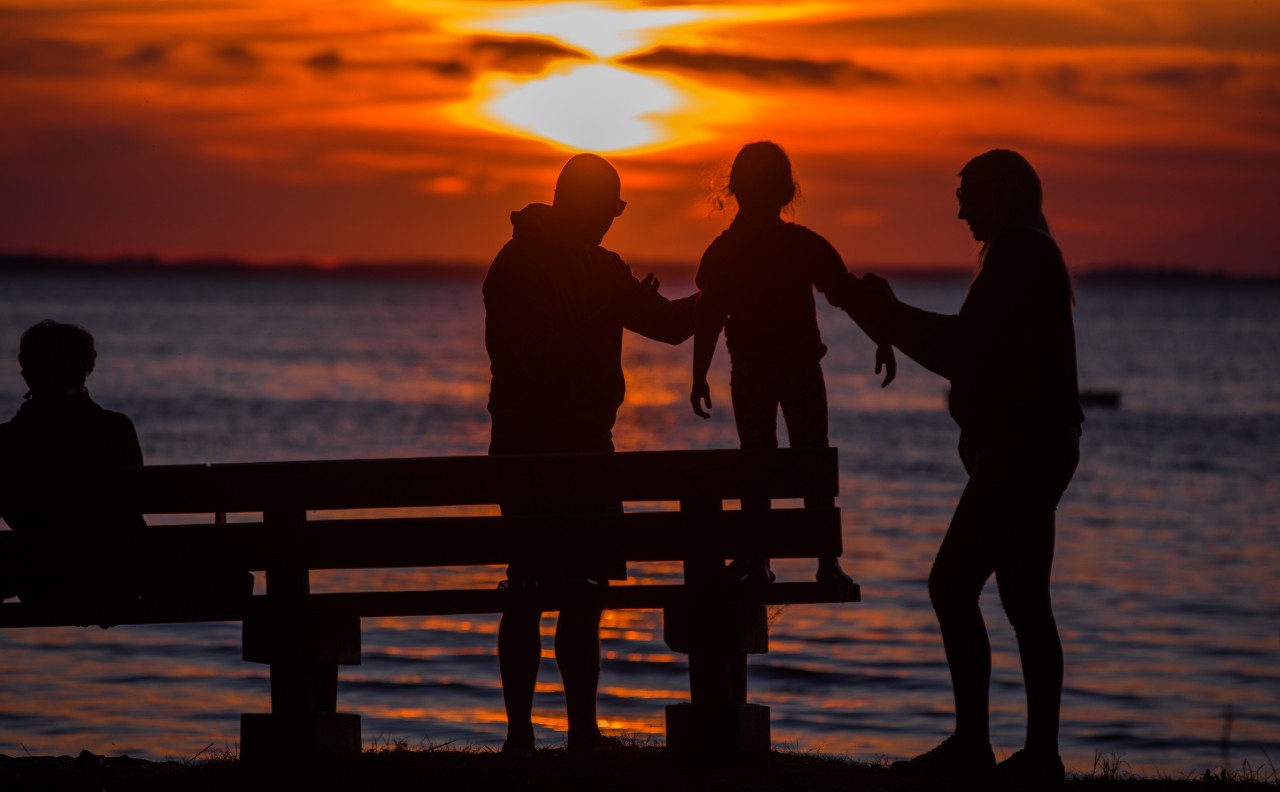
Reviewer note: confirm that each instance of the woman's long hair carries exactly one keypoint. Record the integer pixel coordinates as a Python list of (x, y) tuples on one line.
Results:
[(1022, 198)]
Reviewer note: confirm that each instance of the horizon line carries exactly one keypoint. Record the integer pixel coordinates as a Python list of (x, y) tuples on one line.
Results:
[(467, 269)]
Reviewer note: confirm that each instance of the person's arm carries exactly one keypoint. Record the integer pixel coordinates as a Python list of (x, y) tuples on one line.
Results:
[(833, 281), (709, 320), (648, 313), (932, 340), (871, 319)]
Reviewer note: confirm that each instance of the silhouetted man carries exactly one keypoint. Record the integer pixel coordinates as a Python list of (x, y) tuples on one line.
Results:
[(59, 428), (556, 304)]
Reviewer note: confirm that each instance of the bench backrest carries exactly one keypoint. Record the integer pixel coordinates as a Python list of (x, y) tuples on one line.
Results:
[(689, 520)]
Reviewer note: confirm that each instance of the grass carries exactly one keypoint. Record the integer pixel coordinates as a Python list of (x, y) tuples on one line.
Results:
[(391, 764)]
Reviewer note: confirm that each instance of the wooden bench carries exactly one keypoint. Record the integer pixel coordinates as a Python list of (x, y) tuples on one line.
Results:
[(305, 636)]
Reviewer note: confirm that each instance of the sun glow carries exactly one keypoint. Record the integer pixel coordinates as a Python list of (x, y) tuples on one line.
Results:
[(596, 107), (599, 105), (602, 107), (601, 30)]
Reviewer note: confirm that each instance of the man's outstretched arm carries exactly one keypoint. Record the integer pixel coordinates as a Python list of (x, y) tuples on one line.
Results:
[(654, 316)]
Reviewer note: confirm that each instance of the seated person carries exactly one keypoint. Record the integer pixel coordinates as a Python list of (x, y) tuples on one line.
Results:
[(59, 428)]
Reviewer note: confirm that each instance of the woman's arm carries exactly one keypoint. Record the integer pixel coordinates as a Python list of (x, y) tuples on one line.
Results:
[(932, 340)]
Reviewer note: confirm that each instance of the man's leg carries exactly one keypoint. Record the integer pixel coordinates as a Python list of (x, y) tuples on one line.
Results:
[(519, 652), (578, 656)]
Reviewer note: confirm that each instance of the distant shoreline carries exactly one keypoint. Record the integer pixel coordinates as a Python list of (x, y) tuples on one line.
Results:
[(17, 264)]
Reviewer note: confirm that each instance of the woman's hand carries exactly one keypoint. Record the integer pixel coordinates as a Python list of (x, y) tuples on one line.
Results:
[(700, 395), (878, 289)]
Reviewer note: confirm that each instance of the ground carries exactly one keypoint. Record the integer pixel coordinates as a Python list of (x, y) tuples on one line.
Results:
[(635, 767)]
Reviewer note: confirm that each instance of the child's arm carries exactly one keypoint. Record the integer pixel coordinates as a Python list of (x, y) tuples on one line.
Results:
[(871, 316), (707, 323)]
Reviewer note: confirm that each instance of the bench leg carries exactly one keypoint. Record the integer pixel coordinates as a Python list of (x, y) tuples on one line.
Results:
[(304, 687), (716, 631), (268, 737), (303, 650)]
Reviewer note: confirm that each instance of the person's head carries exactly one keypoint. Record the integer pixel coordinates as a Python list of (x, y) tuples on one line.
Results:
[(999, 190), (588, 196), (760, 179), (56, 356)]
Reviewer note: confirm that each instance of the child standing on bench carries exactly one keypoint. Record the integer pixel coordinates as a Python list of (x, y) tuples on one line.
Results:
[(757, 281)]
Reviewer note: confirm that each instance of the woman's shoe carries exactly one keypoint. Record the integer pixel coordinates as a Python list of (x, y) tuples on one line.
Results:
[(952, 759), (1032, 767)]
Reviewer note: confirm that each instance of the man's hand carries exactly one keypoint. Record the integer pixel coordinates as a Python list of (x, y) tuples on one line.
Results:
[(650, 282), (700, 395)]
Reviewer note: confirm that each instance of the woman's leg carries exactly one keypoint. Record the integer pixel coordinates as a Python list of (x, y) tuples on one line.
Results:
[(1023, 571), (961, 568), (1024, 591)]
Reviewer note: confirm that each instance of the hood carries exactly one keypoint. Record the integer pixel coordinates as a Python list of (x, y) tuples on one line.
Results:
[(535, 220), (56, 409)]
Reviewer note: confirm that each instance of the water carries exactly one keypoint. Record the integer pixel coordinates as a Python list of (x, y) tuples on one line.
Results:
[(1165, 583)]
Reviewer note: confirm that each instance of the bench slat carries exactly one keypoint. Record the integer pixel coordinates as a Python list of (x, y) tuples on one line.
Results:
[(456, 541), (382, 604), (439, 481)]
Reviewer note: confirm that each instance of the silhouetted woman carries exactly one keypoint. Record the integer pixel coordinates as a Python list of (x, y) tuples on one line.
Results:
[(757, 281), (1010, 357)]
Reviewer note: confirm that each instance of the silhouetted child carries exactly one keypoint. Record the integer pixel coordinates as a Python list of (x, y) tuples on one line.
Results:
[(757, 281)]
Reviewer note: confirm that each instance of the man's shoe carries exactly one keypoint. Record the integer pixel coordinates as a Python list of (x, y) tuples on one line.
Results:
[(594, 744), (521, 746), (951, 759), (1038, 767)]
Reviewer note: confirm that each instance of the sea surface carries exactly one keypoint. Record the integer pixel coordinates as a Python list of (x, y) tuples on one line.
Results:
[(1166, 583)]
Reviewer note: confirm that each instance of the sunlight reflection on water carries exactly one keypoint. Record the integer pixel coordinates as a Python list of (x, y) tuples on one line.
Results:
[(1165, 583)]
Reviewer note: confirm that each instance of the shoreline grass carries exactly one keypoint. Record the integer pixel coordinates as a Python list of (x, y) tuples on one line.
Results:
[(393, 764)]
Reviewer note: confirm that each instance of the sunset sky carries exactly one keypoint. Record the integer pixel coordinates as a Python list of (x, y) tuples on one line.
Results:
[(398, 129)]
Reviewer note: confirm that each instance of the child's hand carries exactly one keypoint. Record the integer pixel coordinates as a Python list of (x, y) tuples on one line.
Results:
[(885, 359), (701, 394)]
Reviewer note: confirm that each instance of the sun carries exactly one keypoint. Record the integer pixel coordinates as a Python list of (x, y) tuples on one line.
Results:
[(602, 107), (598, 104), (597, 107)]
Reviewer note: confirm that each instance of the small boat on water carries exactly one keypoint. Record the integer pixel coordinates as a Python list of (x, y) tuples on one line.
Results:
[(1100, 397)]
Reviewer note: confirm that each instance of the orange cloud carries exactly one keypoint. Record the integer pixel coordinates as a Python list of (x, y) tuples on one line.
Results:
[(333, 128)]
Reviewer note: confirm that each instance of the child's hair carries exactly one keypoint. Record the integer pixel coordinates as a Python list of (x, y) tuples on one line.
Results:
[(761, 177), (56, 355)]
